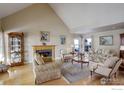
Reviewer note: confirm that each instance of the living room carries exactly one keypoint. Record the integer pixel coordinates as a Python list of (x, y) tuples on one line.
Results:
[(59, 33)]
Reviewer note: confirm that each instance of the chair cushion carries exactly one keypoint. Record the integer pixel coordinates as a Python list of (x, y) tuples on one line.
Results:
[(68, 57), (103, 71), (110, 61), (38, 59)]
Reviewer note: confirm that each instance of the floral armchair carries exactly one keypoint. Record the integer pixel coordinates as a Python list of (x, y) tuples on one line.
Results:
[(108, 69)]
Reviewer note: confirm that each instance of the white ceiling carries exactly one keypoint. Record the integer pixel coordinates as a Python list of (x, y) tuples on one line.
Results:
[(79, 17), (83, 18), (10, 8)]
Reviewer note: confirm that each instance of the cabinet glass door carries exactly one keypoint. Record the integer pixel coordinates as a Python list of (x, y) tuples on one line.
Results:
[(15, 49)]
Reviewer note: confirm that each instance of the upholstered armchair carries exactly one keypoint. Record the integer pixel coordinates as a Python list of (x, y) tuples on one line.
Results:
[(68, 56), (45, 71), (106, 69)]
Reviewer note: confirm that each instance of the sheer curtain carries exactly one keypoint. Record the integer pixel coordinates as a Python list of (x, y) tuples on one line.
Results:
[(2, 48)]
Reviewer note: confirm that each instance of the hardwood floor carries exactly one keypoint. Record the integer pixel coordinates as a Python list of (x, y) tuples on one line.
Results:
[(23, 75), (19, 75)]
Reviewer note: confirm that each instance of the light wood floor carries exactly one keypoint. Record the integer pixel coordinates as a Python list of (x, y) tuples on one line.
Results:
[(23, 75)]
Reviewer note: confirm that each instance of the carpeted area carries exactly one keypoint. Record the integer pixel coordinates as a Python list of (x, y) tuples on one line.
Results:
[(74, 73)]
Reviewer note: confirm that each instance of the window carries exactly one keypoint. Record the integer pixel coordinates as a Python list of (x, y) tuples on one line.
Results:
[(76, 45), (87, 44)]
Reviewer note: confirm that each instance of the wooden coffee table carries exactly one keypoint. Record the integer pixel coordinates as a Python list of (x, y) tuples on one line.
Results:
[(81, 61)]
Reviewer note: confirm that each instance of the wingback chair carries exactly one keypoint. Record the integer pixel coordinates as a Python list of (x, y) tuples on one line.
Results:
[(45, 71)]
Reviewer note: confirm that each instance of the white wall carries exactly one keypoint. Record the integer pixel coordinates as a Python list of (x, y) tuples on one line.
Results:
[(116, 39), (32, 20), (1, 45)]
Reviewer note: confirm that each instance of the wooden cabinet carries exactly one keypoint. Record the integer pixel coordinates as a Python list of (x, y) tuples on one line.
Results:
[(122, 46), (122, 51), (122, 39), (16, 48), (121, 54)]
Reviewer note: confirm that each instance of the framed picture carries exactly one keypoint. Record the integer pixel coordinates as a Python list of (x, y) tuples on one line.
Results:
[(62, 39), (45, 36), (106, 40)]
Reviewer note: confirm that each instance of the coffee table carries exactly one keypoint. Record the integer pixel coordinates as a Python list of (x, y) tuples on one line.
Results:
[(81, 61)]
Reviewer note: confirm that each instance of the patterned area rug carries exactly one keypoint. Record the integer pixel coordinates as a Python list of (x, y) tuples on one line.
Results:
[(74, 73)]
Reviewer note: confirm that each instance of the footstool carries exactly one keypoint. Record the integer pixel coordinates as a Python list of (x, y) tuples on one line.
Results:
[(3, 68)]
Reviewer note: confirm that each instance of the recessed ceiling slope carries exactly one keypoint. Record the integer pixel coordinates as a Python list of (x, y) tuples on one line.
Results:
[(10, 8), (83, 17)]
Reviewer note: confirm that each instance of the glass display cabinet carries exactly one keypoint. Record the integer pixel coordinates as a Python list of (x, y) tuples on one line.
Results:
[(16, 48)]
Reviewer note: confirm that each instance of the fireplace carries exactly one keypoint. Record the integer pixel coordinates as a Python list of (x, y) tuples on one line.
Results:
[(46, 51)]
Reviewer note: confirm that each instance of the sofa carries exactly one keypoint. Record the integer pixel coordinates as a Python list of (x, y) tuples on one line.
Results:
[(100, 55), (44, 72)]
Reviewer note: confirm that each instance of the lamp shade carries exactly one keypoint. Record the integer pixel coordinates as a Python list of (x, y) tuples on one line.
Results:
[(122, 47)]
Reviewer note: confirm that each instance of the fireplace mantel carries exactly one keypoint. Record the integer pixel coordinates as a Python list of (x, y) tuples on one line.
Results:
[(49, 56)]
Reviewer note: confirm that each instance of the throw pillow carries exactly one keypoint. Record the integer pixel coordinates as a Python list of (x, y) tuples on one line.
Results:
[(38, 59)]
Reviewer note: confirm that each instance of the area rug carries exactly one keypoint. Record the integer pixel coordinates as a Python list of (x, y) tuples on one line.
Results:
[(73, 72)]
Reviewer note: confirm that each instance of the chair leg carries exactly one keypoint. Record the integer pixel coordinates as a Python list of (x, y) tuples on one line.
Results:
[(35, 82), (115, 75), (87, 64), (81, 65), (91, 73), (72, 61)]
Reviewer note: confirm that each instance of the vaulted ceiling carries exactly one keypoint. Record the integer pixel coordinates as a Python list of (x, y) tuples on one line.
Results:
[(10, 8), (83, 17), (80, 17)]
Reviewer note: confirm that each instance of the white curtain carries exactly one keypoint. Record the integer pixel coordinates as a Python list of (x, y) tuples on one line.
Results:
[(2, 48)]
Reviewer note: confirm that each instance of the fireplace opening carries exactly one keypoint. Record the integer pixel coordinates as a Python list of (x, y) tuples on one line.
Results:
[(44, 53)]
